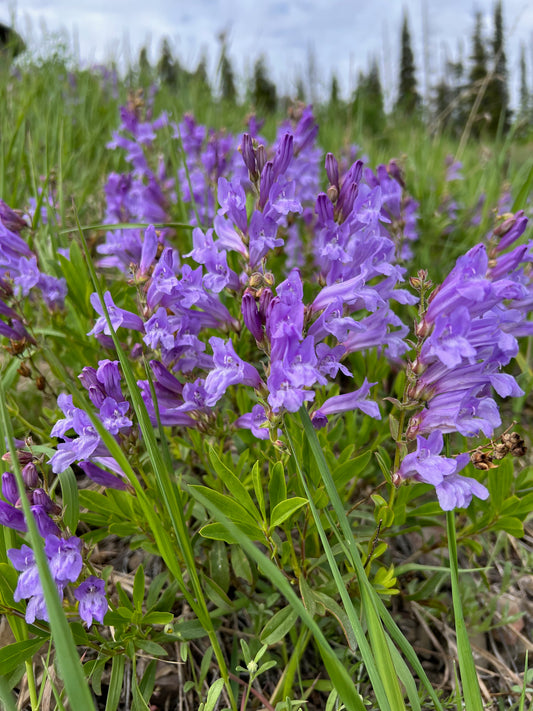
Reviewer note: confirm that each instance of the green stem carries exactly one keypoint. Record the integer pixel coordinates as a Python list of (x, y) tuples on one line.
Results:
[(30, 677), (471, 691)]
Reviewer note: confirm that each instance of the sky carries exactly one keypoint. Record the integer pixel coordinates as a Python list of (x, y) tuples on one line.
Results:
[(328, 36)]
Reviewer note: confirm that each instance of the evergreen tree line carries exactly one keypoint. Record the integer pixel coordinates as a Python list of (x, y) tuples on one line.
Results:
[(470, 94)]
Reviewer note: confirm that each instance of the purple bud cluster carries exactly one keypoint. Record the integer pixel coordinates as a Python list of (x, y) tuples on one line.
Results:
[(20, 275)]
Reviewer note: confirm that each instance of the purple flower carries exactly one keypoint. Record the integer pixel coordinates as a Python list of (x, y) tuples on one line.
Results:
[(102, 477), (229, 370), (253, 421), (283, 393), (9, 488), (346, 402), (427, 465), (118, 317), (28, 583), (12, 517), (36, 609), (64, 557), (263, 237), (87, 443), (45, 524), (92, 600), (455, 492), (113, 415)]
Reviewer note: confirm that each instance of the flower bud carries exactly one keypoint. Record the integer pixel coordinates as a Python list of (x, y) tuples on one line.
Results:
[(30, 475), (248, 155), (9, 488), (251, 316), (260, 157), (332, 193), (332, 170)]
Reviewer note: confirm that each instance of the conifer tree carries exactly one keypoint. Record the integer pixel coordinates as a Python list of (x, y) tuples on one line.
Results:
[(145, 69), (478, 80), (200, 80), (497, 91), (167, 69), (334, 91), (368, 105), (525, 98), (408, 97), (227, 77), (264, 93)]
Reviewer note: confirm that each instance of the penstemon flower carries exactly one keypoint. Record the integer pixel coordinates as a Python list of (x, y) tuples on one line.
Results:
[(467, 334)]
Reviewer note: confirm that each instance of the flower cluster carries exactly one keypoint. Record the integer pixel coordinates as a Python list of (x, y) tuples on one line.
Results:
[(87, 448), (20, 275), (65, 563), (63, 553), (42, 506), (468, 333), (196, 309)]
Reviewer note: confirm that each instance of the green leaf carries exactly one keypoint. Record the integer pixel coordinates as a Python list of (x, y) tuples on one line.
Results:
[(350, 470), (285, 509), (511, 525), (158, 618), (308, 596), (277, 487), (234, 485), (217, 596), (12, 655), (499, 483), (258, 488), (278, 626), (234, 510), (521, 199), (138, 588), (70, 498), (342, 618), (218, 532), (213, 695), (218, 565), (152, 648), (240, 564)]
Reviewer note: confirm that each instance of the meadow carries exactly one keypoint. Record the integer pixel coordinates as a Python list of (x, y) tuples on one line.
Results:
[(265, 405)]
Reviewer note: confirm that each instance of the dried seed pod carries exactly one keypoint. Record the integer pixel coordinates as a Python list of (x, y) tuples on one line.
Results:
[(482, 460), (499, 451), (515, 444), (24, 370)]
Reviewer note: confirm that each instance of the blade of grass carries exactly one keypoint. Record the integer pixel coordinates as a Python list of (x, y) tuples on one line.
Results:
[(467, 668), (387, 696), (348, 544), (378, 639), (67, 657)]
